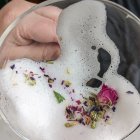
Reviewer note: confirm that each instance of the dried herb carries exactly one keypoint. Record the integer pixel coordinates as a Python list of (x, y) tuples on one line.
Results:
[(68, 71), (50, 85), (46, 75), (62, 82), (58, 97), (87, 120), (106, 118), (50, 62), (30, 80), (67, 83), (50, 81), (90, 110), (78, 102), (12, 66), (113, 108), (42, 69), (130, 92), (70, 124), (93, 125)]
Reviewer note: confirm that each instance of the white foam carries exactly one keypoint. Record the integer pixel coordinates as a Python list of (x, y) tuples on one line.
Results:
[(33, 110)]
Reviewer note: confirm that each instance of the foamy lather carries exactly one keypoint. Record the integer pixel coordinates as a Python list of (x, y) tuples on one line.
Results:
[(33, 110)]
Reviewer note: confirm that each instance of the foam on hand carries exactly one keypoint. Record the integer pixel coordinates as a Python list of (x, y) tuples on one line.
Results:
[(32, 110)]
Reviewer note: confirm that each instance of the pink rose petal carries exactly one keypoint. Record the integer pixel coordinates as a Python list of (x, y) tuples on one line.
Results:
[(107, 95)]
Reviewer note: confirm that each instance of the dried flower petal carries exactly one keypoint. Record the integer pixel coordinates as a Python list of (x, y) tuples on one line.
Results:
[(12, 66), (107, 96)]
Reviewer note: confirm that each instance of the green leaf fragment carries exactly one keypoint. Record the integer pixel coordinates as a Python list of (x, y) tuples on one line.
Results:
[(59, 97)]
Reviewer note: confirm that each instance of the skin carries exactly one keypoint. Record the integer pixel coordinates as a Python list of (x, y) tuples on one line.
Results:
[(34, 37)]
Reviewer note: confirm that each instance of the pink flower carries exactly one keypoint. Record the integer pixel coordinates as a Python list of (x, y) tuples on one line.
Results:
[(107, 95)]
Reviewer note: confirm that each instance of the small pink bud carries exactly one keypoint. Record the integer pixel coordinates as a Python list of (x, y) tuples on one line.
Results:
[(107, 95)]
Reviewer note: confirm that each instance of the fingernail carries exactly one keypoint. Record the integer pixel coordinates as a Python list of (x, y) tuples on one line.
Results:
[(56, 53)]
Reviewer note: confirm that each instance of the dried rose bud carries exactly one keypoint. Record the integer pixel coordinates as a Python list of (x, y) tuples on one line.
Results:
[(107, 95)]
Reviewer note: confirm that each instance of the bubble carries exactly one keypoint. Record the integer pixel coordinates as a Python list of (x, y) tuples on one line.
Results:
[(93, 47)]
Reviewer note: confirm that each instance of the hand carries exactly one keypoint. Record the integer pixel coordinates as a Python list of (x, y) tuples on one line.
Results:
[(34, 37)]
